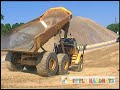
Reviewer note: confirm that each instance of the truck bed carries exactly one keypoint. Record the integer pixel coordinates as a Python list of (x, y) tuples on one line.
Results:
[(34, 34)]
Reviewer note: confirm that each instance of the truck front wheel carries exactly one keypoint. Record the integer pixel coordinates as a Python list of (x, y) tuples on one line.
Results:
[(63, 61)]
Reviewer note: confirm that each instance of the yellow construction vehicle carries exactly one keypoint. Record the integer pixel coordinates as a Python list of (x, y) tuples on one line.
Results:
[(23, 43)]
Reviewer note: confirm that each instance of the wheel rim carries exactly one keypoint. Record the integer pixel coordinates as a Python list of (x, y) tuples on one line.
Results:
[(52, 64), (66, 65)]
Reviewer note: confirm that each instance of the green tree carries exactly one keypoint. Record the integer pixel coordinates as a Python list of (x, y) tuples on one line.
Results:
[(113, 27), (5, 28), (2, 25), (2, 17), (21, 23), (16, 25)]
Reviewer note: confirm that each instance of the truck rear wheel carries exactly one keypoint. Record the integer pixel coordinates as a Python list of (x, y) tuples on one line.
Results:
[(63, 61), (11, 61), (48, 65)]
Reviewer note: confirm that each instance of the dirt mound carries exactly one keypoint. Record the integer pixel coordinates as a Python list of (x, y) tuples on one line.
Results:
[(100, 62), (87, 31)]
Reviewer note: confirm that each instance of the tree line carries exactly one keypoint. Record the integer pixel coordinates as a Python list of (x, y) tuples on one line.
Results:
[(113, 27), (5, 28)]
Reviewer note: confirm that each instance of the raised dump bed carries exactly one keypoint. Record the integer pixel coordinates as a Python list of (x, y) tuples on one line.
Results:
[(24, 42), (32, 35)]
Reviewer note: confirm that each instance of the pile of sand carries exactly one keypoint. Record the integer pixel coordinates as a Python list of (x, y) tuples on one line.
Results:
[(87, 31)]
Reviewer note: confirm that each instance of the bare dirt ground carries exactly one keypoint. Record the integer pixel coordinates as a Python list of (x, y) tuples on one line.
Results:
[(99, 62)]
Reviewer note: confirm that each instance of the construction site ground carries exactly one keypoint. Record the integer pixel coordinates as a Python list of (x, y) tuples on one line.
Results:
[(103, 61)]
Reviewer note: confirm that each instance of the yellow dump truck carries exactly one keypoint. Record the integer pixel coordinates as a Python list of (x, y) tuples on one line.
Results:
[(23, 43)]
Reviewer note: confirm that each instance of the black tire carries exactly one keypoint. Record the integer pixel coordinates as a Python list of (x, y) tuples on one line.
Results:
[(31, 68), (43, 67), (63, 61), (80, 65), (11, 59)]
